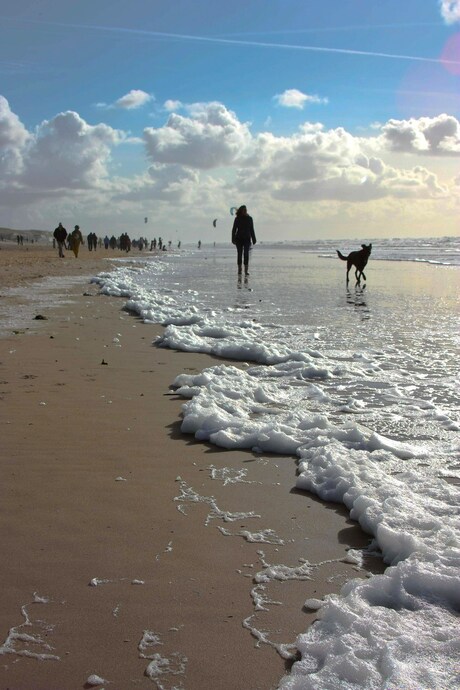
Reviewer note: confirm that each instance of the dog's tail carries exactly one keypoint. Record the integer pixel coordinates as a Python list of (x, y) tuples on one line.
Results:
[(341, 256)]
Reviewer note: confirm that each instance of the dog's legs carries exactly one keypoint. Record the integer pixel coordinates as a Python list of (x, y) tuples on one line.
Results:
[(349, 265)]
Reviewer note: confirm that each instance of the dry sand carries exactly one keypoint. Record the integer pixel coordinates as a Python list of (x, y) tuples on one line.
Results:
[(95, 479)]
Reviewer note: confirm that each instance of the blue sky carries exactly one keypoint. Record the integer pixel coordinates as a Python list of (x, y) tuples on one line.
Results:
[(335, 118)]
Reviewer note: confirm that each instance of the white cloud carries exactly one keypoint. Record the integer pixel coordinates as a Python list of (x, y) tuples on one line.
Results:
[(171, 105), (293, 98), (134, 99), (67, 152), (450, 10), (13, 137), (172, 183), (316, 164), (62, 153), (211, 137), (205, 157), (12, 131), (433, 135)]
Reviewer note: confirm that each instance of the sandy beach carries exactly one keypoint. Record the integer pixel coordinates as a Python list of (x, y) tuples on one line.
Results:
[(118, 557)]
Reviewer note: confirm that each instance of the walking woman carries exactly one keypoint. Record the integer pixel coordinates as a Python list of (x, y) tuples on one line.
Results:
[(77, 239), (242, 236)]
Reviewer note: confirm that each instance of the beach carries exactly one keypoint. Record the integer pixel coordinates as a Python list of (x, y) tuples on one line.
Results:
[(129, 549)]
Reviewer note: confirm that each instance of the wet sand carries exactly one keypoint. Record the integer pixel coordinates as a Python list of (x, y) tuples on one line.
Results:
[(115, 536)]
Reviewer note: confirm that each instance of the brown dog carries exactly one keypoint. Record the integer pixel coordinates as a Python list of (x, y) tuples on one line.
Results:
[(358, 259)]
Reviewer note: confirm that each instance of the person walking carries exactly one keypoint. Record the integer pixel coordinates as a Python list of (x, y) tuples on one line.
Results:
[(77, 239), (60, 235), (242, 236)]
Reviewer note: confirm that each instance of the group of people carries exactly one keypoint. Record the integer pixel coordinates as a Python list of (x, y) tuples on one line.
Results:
[(92, 241), (243, 236), (73, 239)]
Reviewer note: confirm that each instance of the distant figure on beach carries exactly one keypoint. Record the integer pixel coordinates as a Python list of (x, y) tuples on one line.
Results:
[(242, 236), (92, 241), (60, 235), (106, 242), (199, 244), (77, 239)]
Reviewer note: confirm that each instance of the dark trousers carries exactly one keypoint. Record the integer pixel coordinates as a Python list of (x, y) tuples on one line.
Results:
[(242, 249)]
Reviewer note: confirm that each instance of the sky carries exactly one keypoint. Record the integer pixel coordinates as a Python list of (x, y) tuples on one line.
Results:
[(326, 118)]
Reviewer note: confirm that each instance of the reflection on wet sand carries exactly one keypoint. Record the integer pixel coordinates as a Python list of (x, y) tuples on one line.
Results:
[(357, 299)]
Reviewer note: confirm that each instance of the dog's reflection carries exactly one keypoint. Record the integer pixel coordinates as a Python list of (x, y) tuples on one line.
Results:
[(356, 298)]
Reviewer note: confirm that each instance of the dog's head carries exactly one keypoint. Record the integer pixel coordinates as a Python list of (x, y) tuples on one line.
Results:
[(367, 248)]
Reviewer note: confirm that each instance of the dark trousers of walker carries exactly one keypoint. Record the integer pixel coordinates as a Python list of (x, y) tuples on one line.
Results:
[(242, 249)]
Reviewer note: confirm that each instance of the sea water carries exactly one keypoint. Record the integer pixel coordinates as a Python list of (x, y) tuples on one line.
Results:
[(360, 382)]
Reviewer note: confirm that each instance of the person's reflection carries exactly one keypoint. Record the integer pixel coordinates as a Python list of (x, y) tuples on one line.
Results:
[(240, 283)]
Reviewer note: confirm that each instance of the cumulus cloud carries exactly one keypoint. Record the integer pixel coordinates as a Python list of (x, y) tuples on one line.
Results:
[(172, 183), (203, 157), (210, 137), (293, 98), (429, 135), (12, 131), (318, 164), (67, 152), (13, 137), (62, 153), (450, 10), (134, 99)]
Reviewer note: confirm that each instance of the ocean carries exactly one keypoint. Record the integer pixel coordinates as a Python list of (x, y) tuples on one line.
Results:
[(360, 382)]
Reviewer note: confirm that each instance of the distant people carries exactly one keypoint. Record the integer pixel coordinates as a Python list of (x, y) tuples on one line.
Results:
[(113, 242), (178, 245), (160, 244), (77, 240), (60, 235), (106, 242), (92, 241), (125, 242), (242, 236), (199, 244)]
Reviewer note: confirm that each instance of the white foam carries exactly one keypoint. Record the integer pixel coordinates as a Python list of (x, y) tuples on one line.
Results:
[(27, 638), (163, 670), (94, 679), (188, 495)]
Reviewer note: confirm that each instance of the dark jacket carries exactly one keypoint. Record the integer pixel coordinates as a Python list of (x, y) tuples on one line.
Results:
[(243, 230), (60, 233)]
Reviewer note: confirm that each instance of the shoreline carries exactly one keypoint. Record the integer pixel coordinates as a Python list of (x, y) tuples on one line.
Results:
[(101, 486)]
